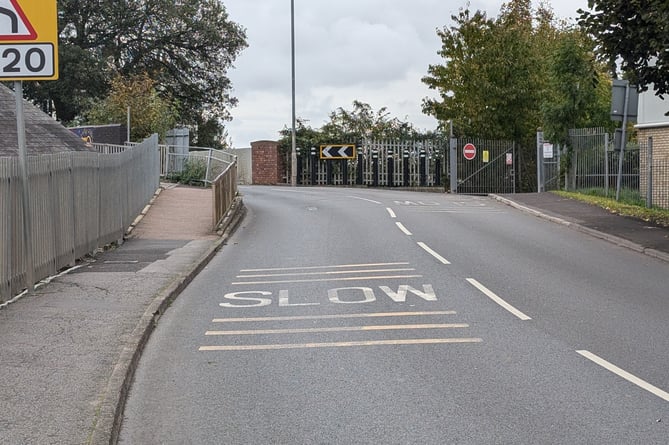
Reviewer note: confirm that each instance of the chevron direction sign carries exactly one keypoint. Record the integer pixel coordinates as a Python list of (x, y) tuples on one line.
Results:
[(346, 151), (28, 40)]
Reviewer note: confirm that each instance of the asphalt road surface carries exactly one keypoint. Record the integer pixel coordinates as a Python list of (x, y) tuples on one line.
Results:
[(354, 316)]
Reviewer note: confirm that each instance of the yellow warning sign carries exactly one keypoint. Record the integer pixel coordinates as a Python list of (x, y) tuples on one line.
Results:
[(28, 40)]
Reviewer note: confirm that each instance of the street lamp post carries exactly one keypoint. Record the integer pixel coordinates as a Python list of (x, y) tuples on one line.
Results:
[(293, 153)]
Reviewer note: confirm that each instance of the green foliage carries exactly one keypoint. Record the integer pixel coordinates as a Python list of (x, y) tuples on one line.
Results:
[(362, 121), (194, 172), (209, 133), (631, 206), (489, 84), (149, 113), (348, 127), (579, 93), (505, 77), (186, 47), (634, 33)]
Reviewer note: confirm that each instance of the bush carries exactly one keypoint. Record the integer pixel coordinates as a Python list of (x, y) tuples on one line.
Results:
[(194, 172)]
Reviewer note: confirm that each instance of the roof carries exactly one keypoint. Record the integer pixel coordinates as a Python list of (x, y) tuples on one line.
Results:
[(43, 133)]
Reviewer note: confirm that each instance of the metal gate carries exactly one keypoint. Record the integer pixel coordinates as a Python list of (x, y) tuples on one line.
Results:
[(483, 167), (417, 163), (548, 164)]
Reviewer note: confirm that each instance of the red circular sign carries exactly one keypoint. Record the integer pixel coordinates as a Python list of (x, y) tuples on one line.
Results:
[(469, 151)]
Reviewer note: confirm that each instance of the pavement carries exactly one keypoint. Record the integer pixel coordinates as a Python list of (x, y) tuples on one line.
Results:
[(68, 351)]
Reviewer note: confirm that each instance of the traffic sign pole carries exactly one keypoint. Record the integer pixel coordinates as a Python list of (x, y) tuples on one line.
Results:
[(28, 51), (25, 187)]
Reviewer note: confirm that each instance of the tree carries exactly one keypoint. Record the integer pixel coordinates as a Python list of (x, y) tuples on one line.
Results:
[(488, 85), (185, 46), (349, 127), (491, 82), (149, 113), (634, 33), (362, 121), (579, 89)]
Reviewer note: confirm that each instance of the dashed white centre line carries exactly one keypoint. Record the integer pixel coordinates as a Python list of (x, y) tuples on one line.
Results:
[(391, 213), (426, 248), (624, 374), (403, 229), (497, 299)]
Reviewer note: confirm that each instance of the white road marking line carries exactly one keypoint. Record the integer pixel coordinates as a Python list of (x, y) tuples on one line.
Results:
[(364, 199), (385, 277), (390, 211), (338, 272), (624, 374), (403, 229), (497, 299), (333, 316), (340, 329), (426, 248), (420, 341), (338, 266)]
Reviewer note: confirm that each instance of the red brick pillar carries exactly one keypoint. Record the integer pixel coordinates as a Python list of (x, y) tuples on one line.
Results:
[(268, 168)]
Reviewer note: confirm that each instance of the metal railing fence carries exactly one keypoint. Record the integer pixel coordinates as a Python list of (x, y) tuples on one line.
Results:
[(79, 201), (596, 163), (205, 163), (224, 191), (378, 163)]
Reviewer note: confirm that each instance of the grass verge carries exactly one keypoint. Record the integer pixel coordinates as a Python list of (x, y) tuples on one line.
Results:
[(633, 207)]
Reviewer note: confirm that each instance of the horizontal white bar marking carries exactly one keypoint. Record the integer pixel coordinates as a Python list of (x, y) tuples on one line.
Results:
[(322, 280), (339, 272), (343, 344), (397, 327), (497, 299), (337, 266), (334, 316), (624, 374)]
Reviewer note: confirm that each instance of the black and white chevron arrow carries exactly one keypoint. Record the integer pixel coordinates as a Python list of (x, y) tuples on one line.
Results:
[(337, 151)]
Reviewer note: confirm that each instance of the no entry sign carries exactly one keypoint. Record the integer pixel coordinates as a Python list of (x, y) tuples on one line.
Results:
[(469, 151)]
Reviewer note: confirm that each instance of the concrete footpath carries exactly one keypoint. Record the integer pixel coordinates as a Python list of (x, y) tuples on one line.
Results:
[(68, 352)]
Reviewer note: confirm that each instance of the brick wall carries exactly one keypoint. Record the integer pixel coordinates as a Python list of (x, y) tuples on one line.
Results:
[(267, 165), (660, 135)]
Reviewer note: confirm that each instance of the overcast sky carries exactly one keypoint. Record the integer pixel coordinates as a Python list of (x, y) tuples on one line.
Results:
[(375, 51)]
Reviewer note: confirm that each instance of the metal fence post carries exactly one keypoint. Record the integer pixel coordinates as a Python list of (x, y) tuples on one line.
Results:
[(454, 164), (314, 165), (423, 167), (649, 170), (375, 167), (606, 164), (391, 167)]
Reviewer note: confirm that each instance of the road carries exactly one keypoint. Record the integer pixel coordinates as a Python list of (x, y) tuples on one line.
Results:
[(355, 316)]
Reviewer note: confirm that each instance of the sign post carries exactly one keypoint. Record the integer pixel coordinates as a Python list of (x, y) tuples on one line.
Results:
[(28, 51)]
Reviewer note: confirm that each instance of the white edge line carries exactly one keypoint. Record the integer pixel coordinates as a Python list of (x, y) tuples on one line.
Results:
[(497, 299), (403, 229), (624, 374), (391, 213), (426, 248)]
